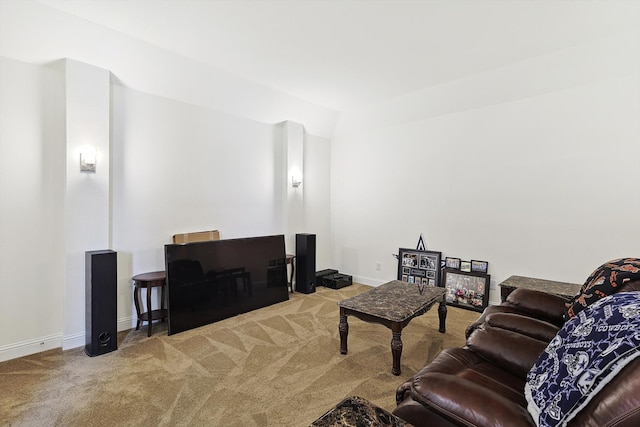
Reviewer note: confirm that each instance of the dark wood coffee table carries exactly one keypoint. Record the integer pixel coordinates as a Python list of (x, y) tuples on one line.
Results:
[(393, 305)]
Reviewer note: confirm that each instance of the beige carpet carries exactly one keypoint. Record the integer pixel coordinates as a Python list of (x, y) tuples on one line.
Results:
[(277, 366)]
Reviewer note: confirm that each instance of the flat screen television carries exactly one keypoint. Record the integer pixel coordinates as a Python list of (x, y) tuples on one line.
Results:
[(214, 280)]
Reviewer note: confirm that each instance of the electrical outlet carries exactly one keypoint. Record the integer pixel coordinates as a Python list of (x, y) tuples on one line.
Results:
[(379, 266)]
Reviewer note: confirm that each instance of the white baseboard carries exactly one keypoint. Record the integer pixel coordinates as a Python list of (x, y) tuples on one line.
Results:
[(25, 348), (126, 323), (369, 281), (73, 341)]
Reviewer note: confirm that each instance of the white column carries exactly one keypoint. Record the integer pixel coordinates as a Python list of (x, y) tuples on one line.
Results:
[(293, 137), (87, 201)]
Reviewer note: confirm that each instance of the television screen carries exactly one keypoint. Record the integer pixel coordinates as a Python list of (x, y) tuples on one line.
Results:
[(215, 280)]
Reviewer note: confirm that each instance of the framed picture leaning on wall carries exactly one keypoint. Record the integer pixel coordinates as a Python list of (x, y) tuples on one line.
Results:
[(468, 290), (422, 267), (452, 263), (479, 266)]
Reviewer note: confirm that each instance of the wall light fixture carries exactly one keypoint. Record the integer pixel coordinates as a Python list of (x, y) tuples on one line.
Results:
[(296, 179), (88, 160)]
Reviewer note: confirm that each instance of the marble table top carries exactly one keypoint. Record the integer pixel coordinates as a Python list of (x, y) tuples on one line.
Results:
[(356, 411), (396, 301), (558, 288)]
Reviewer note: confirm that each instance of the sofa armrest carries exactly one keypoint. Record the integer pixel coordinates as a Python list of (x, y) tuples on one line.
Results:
[(468, 403), (512, 351), (402, 391), (534, 328), (541, 305)]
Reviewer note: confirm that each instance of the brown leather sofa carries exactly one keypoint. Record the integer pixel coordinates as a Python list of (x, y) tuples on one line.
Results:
[(613, 276), (482, 383)]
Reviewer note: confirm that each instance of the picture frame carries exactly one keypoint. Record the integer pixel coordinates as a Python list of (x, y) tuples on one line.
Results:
[(453, 263), (479, 266), (419, 266), (468, 290), (465, 266)]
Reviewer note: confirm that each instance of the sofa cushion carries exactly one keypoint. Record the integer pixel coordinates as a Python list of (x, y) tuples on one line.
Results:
[(539, 304), (509, 350), (529, 326), (604, 281), (461, 388), (443, 392), (589, 351)]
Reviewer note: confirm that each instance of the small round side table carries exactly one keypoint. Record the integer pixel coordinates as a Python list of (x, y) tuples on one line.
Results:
[(149, 281), (291, 259)]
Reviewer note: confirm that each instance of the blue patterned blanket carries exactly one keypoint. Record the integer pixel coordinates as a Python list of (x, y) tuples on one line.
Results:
[(584, 356)]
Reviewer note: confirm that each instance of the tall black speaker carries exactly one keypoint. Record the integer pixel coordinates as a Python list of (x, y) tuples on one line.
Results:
[(101, 268), (306, 263)]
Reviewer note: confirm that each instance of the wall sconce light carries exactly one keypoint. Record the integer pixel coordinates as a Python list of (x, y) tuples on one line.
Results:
[(88, 160), (296, 180)]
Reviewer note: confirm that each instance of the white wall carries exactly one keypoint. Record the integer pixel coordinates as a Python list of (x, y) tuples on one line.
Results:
[(193, 148), (172, 167), (532, 167), (33, 32), (180, 168), (32, 194)]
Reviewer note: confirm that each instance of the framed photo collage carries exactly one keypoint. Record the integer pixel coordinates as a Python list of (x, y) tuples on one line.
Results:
[(420, 267), (467, 283)]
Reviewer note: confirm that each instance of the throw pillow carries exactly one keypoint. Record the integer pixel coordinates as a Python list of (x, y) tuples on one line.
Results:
[(603, 282)]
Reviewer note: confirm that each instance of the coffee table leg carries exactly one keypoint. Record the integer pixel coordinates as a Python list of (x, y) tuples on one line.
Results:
[(343, 327), (396, 347), (442, 314)]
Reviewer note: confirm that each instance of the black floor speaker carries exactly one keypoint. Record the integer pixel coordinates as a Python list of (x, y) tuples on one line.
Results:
[(101, 268), (306, 263)]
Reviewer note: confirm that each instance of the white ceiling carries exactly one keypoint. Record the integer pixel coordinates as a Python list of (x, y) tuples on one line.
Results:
[(340, 53)]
